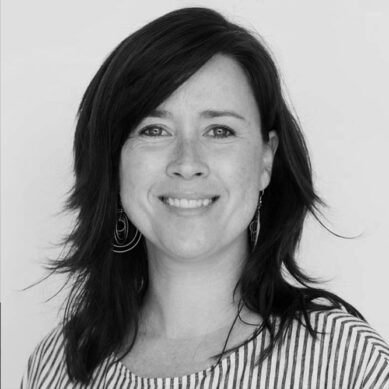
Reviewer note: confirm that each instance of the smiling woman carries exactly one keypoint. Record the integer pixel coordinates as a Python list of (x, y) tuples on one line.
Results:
[(192, 185)]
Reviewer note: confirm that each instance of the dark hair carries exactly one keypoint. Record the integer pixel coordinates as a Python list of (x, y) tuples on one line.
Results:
[(143, 71)]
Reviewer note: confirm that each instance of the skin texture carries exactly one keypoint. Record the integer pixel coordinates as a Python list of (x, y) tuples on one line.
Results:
[(195, 256)]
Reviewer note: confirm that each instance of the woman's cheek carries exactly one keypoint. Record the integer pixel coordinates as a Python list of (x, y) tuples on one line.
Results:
[(246, 170)]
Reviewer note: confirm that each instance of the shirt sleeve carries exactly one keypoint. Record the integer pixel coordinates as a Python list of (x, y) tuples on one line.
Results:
[(26, 378), (42, 360), (25, 383), (377, 370)]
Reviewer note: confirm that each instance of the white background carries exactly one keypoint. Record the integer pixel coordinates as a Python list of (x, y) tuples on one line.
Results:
[(334, 59)]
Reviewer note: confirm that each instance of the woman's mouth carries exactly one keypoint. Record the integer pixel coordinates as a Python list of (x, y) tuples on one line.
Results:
[(188, 203)]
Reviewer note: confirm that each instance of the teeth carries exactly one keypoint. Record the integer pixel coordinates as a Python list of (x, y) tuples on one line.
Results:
[(184, 203)]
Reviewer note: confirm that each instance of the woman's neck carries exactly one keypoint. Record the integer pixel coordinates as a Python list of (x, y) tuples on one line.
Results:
[(191, 298)]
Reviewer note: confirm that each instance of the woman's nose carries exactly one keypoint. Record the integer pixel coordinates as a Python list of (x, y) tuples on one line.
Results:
[(187, 161)]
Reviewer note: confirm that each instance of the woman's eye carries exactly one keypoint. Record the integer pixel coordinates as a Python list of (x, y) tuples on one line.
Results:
[(153, 131), (221, 132)]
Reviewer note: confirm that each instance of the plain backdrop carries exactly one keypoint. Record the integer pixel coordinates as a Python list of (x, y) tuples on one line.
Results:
[(334, 59)]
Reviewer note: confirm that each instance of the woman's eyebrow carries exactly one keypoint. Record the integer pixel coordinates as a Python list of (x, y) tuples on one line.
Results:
[(159, 113), (208, 114)]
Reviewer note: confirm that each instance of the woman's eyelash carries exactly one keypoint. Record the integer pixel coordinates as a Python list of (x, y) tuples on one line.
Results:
[(152, 131), (226, 132)]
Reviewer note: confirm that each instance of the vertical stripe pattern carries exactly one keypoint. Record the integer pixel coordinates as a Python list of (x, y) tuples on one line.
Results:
[(348, 354)]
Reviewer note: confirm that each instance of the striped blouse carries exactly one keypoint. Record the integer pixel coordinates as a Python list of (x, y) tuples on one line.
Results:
[(349, 354)]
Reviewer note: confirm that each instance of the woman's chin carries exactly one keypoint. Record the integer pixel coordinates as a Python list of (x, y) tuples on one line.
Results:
[(190, 252), (190, 249)]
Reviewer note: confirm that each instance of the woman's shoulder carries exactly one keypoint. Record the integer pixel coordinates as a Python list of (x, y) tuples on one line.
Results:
[(49, 347), (47, 354), (334, 323), (344, 340), (47, 367), (340, 322), (345, 351), (52, 341)]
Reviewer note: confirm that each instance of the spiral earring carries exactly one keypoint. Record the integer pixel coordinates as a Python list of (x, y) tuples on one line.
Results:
[(255, 224), (121, 243)]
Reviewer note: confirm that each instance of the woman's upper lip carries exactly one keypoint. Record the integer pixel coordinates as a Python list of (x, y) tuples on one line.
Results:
[(189, 195)]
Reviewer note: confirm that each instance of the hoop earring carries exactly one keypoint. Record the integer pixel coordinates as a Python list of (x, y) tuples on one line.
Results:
[(255, 224), (121, 244)]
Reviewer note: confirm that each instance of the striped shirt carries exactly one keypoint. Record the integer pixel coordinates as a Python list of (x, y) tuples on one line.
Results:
[(349, 354)]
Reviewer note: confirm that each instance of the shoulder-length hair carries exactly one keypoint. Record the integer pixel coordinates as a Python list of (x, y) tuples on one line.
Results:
[(143, 71)]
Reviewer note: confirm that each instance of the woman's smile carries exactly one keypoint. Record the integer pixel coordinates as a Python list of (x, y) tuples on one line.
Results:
[(187, 206)]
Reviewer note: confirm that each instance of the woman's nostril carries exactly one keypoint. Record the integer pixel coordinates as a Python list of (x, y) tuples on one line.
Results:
[(188, 166)]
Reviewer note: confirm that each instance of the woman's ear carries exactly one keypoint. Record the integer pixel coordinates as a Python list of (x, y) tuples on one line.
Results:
[(269, 151), (273, 141)]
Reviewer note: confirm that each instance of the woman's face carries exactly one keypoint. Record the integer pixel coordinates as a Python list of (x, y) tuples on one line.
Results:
[(191, 172)]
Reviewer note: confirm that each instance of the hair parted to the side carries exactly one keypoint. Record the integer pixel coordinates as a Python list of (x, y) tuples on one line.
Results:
[(143, 71)]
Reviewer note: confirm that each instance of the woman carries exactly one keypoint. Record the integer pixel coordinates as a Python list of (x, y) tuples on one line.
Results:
[(192, 185)]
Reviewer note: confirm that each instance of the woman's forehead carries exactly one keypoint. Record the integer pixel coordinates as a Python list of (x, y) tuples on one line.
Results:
[(220, 87)]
